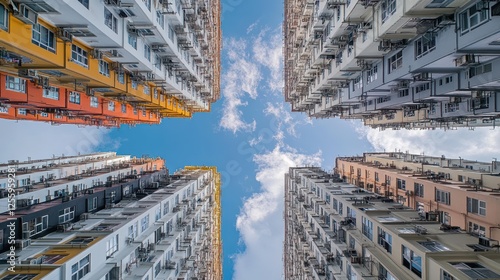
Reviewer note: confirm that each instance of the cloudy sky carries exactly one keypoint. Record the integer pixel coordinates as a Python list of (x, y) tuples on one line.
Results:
[(251, 136)]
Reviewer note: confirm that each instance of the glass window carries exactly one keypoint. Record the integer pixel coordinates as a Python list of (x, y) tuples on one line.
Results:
[(419, 189), (388, 8), (112, 246), (147, 52), (81, 268), (43, 37), (425, 45), (51, 93), (103, 68), (160, 18), (94, 102), (124, 108), (74, 97), (79, 55), (120, 76), (475, 270), (84, 3), (4, 18), (111, 105), (476, 206), (110, 20), (15, 84), (412, 261), (474, 16), (367, 228), (66, 215), (395, 61), (443, 197), (132, 40)]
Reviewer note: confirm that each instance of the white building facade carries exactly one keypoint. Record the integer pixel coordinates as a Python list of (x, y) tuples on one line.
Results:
[(394, 64)]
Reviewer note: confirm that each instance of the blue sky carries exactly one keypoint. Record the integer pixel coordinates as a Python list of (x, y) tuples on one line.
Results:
[(250, 135)]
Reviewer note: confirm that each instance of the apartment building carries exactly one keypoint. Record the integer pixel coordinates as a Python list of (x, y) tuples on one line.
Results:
[(151, 225), (108, 62), (394, 64), (335, 230), (457, 192)]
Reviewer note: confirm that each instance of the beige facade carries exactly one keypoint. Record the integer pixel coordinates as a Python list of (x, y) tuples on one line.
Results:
[(335, 230), (456, 192)]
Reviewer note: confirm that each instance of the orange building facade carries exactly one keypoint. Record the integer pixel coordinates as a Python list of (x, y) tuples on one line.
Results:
[(457, 192), (81, 73)]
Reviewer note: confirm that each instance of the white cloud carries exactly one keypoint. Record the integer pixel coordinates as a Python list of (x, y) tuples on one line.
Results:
[(23, 139), (285, 119), (260, 221), (247, 59), (269, 53), (477, 144), (242, 78)]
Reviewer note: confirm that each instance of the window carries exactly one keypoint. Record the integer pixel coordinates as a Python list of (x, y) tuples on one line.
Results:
[(92, 203), (145, 89), (157, 214), (94, 102), (357, 83), (419, 189), (158, 62), (79, 55), (103, 68), (385, 240), (112, 246), (66, 215), (144, 223), (22, 111), (160, 19), (4, 18), (36, 225), (476, 206), (124, 108), (376, 176), (84, 3), (132, 40), (412, 261), (385, 274), (371, 75), (425, 45), (110, 20), (74, 97), (434, 246), (367, 228), (43, 37), (51, 93), (475, 270), (476, 229), (134, 84), (395, 62), (15, 84), (81, 268), (147, 3), (111, 105), (133, 231), (388, 8), (401, 184), (166, 208), (120, 77), (446, 276), (443, 197), (147, 52), (473, 17), (478, 70)]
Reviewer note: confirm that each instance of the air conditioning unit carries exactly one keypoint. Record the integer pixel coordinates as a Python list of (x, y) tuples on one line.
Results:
[(84, 216), (27, 73), (26, 15), (421, 77), (484, 241), (43, 82), (90, 191), (95, 53), (384, 45), (23, 244), (65, 35), (455, 99), (465, 60)]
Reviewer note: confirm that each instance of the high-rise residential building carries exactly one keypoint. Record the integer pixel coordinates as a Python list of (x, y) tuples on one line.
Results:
[(108, 62), (457, 192), (104, 216), (394, 64), (336, 230)]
